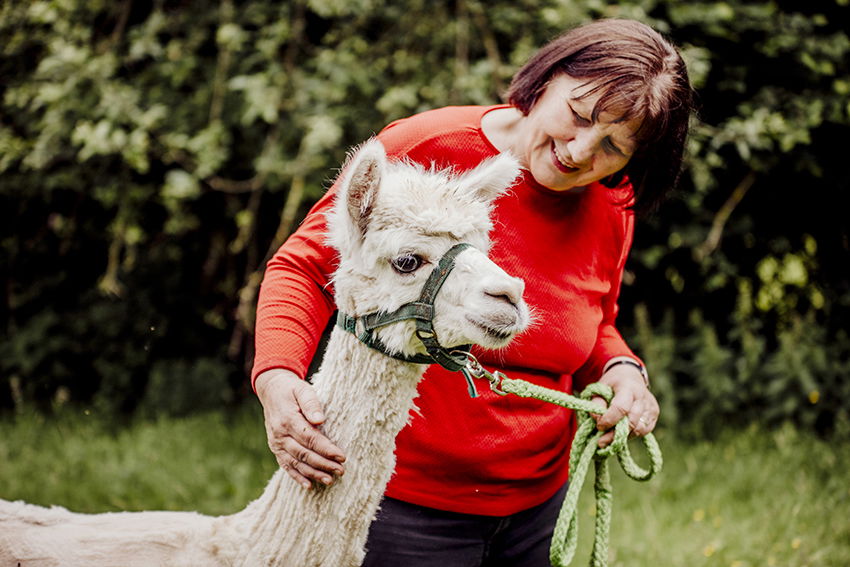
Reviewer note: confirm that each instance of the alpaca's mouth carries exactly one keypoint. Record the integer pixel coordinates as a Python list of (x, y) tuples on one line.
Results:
[(497, 333), (501, 335)]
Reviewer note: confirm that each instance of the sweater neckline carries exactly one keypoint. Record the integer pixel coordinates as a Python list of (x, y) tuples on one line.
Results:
[(527, 178)]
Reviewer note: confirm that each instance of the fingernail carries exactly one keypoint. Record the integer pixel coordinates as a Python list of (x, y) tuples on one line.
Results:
[(316, 416), (326, 480)]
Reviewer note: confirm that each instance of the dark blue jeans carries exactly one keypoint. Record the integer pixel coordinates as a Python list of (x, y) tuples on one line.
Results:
[(406, 535)]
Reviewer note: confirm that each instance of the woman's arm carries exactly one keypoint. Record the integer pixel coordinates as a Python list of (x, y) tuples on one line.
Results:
[(294, 307), (632, 397)]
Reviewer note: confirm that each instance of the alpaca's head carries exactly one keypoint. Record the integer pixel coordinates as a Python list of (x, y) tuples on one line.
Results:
[(391, 224)]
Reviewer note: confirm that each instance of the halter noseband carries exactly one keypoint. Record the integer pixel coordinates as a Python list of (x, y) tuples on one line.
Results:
[(422, 311)]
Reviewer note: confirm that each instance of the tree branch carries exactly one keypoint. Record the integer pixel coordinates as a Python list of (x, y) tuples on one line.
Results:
[(712, 241), (118, 32), (221, 67), (240, 339), (461, 62), (491, 46)]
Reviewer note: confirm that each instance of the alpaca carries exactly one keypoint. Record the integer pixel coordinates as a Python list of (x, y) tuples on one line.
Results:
[(391, 223)]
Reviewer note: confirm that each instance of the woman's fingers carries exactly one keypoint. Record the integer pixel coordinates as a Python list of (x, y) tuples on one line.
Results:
[(308, 402), (309, 436), (643, 420), (621, 405), (305, 465), (302, 449), (299, 446), (632, 399)]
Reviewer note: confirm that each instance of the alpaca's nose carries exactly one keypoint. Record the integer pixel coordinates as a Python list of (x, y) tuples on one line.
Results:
[(508, 289)]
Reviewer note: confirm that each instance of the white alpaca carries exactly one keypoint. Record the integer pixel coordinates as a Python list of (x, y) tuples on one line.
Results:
[(391, 224)]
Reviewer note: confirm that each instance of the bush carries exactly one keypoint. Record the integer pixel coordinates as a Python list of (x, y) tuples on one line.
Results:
[(153, 156), (706, 383)]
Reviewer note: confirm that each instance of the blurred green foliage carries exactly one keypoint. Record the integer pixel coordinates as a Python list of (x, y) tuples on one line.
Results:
[(154, 154)]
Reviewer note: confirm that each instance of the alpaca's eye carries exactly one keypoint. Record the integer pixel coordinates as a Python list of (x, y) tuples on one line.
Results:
[(407, 263)]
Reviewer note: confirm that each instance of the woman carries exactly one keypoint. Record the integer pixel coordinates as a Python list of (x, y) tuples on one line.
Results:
[(598, 119)]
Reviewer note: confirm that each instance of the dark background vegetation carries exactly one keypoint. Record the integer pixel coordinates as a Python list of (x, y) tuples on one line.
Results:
[(154, 154)]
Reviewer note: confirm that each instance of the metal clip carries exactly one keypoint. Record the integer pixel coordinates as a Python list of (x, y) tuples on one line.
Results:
[(496, 382), (473, 369), (473, 366)]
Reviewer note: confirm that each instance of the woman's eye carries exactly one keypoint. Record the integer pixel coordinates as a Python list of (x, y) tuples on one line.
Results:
[(407, 263), (581, 120), (611, 148)]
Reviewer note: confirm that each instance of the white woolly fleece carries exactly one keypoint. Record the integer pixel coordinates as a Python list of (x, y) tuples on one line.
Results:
[(383, 210)]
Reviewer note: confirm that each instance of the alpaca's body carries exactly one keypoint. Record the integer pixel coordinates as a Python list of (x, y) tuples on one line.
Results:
[(384, 212), (286, 526), (377, 396), (32, 536)]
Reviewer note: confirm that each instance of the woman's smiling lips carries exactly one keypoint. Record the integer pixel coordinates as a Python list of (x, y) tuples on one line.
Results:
[(558, 163)]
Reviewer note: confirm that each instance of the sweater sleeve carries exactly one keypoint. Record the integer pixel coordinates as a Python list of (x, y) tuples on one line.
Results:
[(295, 301), (609, 341)]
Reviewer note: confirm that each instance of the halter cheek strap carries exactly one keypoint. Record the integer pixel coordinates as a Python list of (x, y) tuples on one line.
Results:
[(422, 312)]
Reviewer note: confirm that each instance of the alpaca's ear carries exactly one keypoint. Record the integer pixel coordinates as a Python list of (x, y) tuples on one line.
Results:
[(364, 178), (491, 177)]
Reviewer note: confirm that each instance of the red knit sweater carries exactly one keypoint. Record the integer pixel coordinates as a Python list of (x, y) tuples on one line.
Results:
[(490, 455)]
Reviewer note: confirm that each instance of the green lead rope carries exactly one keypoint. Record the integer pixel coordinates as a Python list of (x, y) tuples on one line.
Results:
[(584, 450)]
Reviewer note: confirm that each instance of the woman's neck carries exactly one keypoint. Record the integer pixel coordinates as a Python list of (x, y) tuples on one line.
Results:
[(502, 126)]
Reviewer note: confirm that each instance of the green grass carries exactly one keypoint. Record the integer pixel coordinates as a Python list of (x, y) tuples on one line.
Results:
[(750, 499), (213, 463)]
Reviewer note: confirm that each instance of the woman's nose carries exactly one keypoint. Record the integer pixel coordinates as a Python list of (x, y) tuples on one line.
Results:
[(583, 146)]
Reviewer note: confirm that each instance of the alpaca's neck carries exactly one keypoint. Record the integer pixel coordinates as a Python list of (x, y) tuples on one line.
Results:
[(367, 395), (367, 398)]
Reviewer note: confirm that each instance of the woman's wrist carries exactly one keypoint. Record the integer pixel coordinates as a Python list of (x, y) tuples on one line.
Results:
[(628, 361), (266, 378)]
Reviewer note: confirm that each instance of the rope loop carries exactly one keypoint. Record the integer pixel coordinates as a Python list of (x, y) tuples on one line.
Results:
[(584, 450)]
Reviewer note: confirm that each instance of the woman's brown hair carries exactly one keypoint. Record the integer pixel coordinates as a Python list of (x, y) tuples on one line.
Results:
[(640, 75)]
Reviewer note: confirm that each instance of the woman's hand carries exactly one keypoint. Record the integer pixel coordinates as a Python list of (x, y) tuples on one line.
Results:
[(292, 415), (632, 398)]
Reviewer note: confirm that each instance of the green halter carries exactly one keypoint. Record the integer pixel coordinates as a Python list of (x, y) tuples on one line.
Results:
[(422, 311)]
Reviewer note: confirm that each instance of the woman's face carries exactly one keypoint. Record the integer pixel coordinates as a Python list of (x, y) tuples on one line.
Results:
[(563, 147)]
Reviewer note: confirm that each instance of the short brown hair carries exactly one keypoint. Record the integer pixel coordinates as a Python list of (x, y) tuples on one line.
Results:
[(640, 75)]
